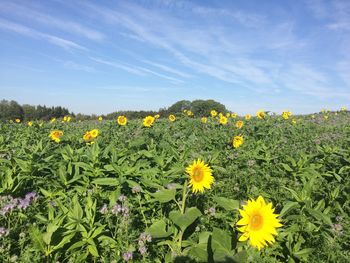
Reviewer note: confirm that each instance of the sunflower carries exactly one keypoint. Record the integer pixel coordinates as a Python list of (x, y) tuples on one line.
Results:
[(148, 121), (239, 124), (55, 135), (213, 113), (228, 115), (258, 223), (286, 115), (204, 119), (157, 116), (200, 176), (260, 114), (189, 113), (122, 120), (237, 141), (343, 109), (30, 123), (233, 115), (223, 120), (17, 120), (100, 118), (88, 137), (247, 117), (94, 133), (172, 118)]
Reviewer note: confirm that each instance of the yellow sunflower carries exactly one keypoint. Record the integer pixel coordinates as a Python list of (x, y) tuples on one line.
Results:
[(88, 137), (189, 113), (286, 115), (239, 124), (172, 118), (204, 119), (213, 113), (122, 120), (148, 121), (343, 109), (94, 133), (233, 115), (248, 117), (157, 116), (200, 176), (55, 135), (30, 123), (223, 120), (258, 223), (228, 114), (100, 118), (260, 114), (237, 141), (17, 120)]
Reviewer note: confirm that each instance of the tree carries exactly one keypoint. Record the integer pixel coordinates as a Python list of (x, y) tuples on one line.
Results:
[(179, 106)]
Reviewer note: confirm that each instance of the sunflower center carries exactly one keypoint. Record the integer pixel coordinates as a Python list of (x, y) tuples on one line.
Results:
[(256, 222), (198, 174)]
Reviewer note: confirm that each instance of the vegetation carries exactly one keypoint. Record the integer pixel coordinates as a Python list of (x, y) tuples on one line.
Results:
[(180, 190)]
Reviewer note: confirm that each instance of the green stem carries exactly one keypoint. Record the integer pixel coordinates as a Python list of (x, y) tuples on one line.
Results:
[(183, 207), (143, 215)]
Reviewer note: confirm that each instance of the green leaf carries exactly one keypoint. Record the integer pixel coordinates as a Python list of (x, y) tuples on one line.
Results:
[(37, 239), (221, 245), (158, 229), (287, 167), (186, 219), (303, 253), (319, 216), (164, 195), (288, 206), (106, 181), (226, 203)]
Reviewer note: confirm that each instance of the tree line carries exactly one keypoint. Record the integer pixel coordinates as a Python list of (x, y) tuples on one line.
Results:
[(10, 110)]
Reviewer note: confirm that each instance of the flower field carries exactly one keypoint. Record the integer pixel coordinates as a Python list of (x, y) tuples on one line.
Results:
[(178, 188)]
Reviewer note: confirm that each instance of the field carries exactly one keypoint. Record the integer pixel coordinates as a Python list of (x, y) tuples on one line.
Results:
[(125, 192)]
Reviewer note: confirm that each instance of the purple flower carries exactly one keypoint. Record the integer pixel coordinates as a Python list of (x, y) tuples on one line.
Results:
[(23, 203), (32, 196), (117, 208), (143, 250), (104, 209), (4, 232), (122, 198), (127, 256), (211, 211)]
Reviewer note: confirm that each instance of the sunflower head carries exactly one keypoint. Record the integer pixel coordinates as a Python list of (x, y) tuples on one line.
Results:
[(148, 121), (213, 113), (157, 116), (189, 113), (204, 119), (260, 114), (172, 118), (100, 118), (343, 109), (223, 120), (94, 133), (233, 115), (122, 120), (88, 137), (55, 135), (200, 176), (247, 117), (239, 124), (237, 141), (30, 123), (17, 120), (258, 223)]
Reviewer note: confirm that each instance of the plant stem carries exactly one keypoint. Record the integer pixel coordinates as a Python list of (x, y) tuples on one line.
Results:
[(183, 207)]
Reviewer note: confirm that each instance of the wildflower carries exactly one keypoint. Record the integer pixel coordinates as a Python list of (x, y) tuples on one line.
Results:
[(200, 176), (189, 113), (237, 141), (122, 120), (204, 119), (172, 118), (104, 209), (4, 232), (258, 223), (136, 189), (286, 115), (157, 116), (100, 118), (247, 117), (122, 198), (17, 120), (127, 256), (233, 115), (260, 114), (213, 113), (143, 250), (55, 135), (223, 120), (148, 121), (239, 124), (30, 123)]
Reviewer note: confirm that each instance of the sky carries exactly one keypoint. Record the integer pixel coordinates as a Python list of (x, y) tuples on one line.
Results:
[(103, 56)]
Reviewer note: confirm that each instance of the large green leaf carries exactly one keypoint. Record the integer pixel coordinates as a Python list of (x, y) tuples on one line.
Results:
[(158, 229), (226, 203), (186, 219), (164, 195)]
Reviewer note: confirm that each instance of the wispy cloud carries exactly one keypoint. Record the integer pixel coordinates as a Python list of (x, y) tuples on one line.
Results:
[(168, 69), (118, 65), (47, 20), (32, 33), (76, 66)]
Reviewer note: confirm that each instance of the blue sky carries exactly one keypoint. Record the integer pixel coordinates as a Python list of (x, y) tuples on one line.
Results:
[(102, 56)]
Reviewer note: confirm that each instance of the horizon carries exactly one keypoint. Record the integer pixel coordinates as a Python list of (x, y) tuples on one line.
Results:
[(148, 54)]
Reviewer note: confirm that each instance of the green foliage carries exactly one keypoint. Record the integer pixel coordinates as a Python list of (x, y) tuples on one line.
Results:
[(128, 192)]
